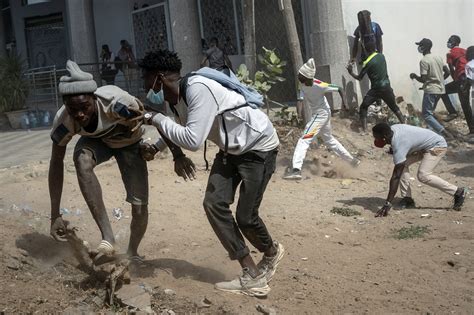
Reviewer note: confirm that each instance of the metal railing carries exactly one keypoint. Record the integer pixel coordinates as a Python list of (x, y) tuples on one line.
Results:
[(43, 83)]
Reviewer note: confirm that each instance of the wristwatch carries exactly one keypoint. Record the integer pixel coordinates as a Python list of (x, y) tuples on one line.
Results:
[(147, 117), (387, 204)]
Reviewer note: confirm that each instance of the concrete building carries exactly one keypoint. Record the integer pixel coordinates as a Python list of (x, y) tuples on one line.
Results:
[(48, 32)]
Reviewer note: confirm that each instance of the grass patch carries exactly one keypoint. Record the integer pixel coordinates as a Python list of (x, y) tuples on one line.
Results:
[(345, 212), (414, 231)]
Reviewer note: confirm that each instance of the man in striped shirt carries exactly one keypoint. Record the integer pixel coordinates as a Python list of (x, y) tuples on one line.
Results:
[(312, 92)]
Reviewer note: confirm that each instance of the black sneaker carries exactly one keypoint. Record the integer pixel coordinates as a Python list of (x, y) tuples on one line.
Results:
[(459, 197), (295, 174), (406, 203), (450, 117)]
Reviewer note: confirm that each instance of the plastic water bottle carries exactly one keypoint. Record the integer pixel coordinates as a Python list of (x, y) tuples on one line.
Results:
[(33, 120), (24, 121), (46, 118)]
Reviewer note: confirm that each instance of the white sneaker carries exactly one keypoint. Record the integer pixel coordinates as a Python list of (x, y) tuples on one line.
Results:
[(245, 284), (295, 174), (268, 265)]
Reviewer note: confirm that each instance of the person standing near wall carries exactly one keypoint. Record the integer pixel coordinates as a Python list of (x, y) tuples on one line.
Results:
[(456, 59), (366, 32), (108, 71), (128, 63), (432, 74), (216, 58)]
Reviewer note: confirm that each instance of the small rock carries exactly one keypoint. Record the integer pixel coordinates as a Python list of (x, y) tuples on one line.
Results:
[(265, 309), (23, 252), (425, 215), (13, 263), (98, 301), (205, 303), (457, 253), (169, 292), (304, 258), (337, 229), (451, 263)]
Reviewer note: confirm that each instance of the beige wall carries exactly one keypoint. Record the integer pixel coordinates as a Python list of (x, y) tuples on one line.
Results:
[(406, 21)]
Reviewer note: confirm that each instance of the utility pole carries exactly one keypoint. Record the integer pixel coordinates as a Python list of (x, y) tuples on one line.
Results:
[(250, 50), (286, 9), (329, 45)]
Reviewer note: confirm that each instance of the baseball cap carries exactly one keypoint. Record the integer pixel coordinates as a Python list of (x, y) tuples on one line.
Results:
[(425, 43), (455, 39)]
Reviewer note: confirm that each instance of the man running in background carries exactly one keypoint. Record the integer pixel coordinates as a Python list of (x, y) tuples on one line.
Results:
[(456, 59), (433, 71), (312, 92), (375, 67)]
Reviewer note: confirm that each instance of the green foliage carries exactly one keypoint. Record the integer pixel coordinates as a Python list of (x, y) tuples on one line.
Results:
[(266, 78), (345, 212), (287, 118), (414, 231), (13, 85)]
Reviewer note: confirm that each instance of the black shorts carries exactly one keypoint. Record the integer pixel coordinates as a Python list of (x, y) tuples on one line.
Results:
[(132, 166)]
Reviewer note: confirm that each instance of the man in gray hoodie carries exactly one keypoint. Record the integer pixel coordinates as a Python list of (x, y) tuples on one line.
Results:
[(248, 146)]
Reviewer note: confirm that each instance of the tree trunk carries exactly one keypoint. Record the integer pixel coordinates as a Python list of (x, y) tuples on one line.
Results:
[(249, 37), (295, 49)]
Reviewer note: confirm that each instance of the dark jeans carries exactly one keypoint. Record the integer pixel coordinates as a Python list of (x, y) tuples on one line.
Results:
[(462, 87), (386, 94), (252, 171)]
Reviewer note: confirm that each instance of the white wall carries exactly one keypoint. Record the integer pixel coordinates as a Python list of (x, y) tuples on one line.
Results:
[(405, 22)]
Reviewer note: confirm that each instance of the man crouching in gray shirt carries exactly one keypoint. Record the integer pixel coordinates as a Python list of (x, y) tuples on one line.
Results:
[(410, 144), (248, 146)]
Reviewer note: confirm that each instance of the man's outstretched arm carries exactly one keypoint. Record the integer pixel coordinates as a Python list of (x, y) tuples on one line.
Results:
[(394, 183), (55, 183)]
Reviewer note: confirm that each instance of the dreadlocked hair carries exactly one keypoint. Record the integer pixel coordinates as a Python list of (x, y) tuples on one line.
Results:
[(163, 60)]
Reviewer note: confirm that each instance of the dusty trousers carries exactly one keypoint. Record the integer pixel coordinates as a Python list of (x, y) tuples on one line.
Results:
[(429, 160), (252, 170)]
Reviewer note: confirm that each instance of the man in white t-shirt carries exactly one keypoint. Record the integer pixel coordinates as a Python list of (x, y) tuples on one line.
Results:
[(410, 144), (313, 93), (108, 120)]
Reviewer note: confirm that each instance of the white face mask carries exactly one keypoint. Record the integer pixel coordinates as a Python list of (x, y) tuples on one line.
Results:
[(156, 98)]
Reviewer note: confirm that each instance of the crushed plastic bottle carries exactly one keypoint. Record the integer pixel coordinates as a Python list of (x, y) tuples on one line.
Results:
[(117, 213)]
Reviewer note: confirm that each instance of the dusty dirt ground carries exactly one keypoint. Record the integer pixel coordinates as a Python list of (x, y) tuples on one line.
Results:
[(333, 264)]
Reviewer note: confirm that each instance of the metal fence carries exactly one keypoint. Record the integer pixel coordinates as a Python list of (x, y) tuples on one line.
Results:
[(43, 83)]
